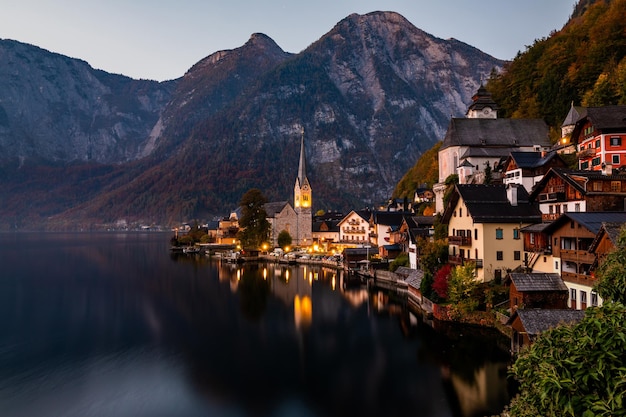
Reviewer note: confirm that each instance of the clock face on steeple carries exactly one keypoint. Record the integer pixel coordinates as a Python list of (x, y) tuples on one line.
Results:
[(487, 110)]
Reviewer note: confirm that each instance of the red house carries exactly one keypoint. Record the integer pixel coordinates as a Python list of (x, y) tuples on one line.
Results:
[(601, 137)]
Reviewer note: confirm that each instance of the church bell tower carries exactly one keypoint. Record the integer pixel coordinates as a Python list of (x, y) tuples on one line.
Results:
[(302, 201)]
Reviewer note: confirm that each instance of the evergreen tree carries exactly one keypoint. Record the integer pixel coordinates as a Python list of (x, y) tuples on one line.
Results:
[(254, 227)]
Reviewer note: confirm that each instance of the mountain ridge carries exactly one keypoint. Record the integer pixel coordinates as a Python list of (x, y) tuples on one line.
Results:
[(371, 95)]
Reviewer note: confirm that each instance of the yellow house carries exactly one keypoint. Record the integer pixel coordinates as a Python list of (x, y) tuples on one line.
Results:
[(484, 223)]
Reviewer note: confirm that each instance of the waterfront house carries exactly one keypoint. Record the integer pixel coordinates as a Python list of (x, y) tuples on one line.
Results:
[(563, 190), (384, 224), (538, 290), (527, 324), (354, 229), (484, 223), (326, 230), (572, 236), (412, 229)]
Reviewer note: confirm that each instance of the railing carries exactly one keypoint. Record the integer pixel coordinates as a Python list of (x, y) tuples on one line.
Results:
[(550, 217), (581, 279), (457, 260), (578, 256), (460, 240)]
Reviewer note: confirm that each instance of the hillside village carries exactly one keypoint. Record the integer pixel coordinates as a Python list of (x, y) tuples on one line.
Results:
[(512, 208)]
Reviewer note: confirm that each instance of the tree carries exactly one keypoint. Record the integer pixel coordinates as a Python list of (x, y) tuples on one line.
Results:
[(611, 273), (575, 370), (254, 227), (441, 280), (461, 287), (284, 239)]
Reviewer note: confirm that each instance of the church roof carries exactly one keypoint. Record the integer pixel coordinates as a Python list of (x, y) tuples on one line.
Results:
[(493, 133), (275, 207), (482, 99)]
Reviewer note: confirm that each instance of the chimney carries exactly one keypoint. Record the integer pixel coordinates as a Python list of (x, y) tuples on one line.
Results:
[(607, 169), (511, 194)]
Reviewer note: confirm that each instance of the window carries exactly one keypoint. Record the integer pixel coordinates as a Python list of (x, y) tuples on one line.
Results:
[(499, 255), (515, 233), (564, 208), (583, 297), (615, 159), (597, 186), (616, 186), (594, 299), (616, 141), (475, 234), (577, 207), (595, 161), (460, 212), (584, 165), (499, 233), (517, 255), (532, 238), (572, 294), (597, 143)]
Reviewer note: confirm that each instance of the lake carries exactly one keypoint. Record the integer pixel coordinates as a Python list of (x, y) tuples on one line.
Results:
[(113, 324)]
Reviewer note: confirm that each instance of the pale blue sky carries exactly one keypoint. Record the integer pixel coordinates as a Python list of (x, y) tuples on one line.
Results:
[(159, 39)]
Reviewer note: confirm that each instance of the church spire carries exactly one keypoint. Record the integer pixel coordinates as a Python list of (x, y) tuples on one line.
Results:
[(302, 167)]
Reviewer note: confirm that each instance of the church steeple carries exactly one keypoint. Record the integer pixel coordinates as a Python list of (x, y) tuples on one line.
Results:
[(302, 189)]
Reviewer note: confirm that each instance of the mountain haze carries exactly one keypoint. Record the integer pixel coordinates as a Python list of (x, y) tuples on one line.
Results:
[(370, 96)]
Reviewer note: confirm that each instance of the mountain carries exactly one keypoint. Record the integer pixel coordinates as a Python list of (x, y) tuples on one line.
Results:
[(369, 96)]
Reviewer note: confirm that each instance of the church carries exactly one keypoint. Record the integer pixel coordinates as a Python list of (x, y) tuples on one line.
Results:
[(296, 219)]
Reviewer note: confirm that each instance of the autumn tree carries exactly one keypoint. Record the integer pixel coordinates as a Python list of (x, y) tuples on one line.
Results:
[(254, 227)]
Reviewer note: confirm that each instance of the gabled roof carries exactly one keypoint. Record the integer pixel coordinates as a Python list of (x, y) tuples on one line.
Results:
[(275, 207), (531, 160), (610, 230), (537, 282), (364, 214), (575, 114), (536, 320), (606, 118), (591, 221), (576, 178), (510, 133), (489, 204), (389, 218)]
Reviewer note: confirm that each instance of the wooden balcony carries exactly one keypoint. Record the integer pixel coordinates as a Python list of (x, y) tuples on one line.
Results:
[(580, 279), (550, 217), (577, 256), (457, 260), (460, 240)]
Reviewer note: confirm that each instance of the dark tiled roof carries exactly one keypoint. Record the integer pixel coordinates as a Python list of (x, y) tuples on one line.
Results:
[(536, 321), (611, 230), (575, 114), (592, 221), (274, 207), (607, 117), (489, 204), (389, 218), (538, 282), (531, 160), (496, 133), (536, 228)]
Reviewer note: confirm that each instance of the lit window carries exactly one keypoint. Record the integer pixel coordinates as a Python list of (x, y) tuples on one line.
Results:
[(616, 186)]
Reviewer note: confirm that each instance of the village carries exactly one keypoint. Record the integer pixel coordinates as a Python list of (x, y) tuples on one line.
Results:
[(508, 207)]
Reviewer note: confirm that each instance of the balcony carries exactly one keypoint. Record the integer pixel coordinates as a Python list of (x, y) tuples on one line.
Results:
[(580, 279), (550, 217), (549, 197), (460, 240), (457, 260), (587, 153), (577, 256)]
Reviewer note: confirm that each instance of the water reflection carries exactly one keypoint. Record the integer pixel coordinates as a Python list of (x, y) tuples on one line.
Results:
[(114, 325)]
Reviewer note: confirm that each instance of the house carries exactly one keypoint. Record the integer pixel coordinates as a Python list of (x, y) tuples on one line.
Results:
[(354, 228), (326, 230), (227, 230), (411, 229), (383, 224), (528, 168), (481, 139), (572, 236), (539, 290), (600, 135), (538, 249), (484, 223), (527, 324), (563, 190), (606, 240)]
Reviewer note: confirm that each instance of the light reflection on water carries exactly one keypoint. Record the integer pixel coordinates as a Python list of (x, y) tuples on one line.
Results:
[(114, 325)]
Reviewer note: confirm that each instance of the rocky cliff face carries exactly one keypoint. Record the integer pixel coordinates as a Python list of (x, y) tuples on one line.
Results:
[(371, 95), (54, 108)]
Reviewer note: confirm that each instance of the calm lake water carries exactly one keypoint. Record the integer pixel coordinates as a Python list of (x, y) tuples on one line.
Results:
[(113, 324)]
